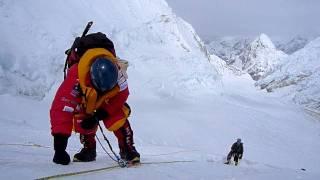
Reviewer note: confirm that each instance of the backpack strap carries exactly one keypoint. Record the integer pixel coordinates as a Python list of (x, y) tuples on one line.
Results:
[(91, 100)]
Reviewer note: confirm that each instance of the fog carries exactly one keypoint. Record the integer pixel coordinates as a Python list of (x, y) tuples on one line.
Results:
[(277, 18)]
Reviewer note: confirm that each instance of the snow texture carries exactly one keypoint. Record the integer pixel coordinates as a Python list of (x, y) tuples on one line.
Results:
[(300, 71), (227, 48), (293, 44), (296, 74), (183, 109), (33, 39), (259, 58)]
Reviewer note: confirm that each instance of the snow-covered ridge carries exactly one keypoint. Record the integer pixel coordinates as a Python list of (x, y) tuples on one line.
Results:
[(293, 44), (263, 41), (228, 47), (296, 74), (34, 39), (301, 71), (259, 58)]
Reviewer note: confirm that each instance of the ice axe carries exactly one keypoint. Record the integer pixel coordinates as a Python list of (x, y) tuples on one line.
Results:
[(74, 45)]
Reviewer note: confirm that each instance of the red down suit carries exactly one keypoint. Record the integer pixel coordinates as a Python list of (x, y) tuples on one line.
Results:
[(66, 111)]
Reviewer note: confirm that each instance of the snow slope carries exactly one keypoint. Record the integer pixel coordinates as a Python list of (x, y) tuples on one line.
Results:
[(182, 110), (200, 129), (38, 36)]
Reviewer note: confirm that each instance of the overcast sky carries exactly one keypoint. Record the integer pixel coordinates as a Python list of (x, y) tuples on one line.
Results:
[(276, 18)]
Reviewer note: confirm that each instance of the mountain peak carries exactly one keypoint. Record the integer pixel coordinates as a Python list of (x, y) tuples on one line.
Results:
[(260, 57), (263, 41)]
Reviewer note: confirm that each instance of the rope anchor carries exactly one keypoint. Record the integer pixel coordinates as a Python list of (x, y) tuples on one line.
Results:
[(122, 163)]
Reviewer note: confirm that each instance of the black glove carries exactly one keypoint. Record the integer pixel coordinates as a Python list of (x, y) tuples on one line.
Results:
[(90, 122), (93, 120), (240, 156), (101, 114)]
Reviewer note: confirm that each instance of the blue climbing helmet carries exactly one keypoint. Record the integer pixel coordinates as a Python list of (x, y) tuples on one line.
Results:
[(104, 74)]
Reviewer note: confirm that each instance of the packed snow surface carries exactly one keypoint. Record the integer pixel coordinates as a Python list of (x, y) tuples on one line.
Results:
[(279, 138)]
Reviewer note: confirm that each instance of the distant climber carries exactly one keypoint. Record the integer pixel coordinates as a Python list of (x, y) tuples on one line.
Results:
[(236, 152)]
